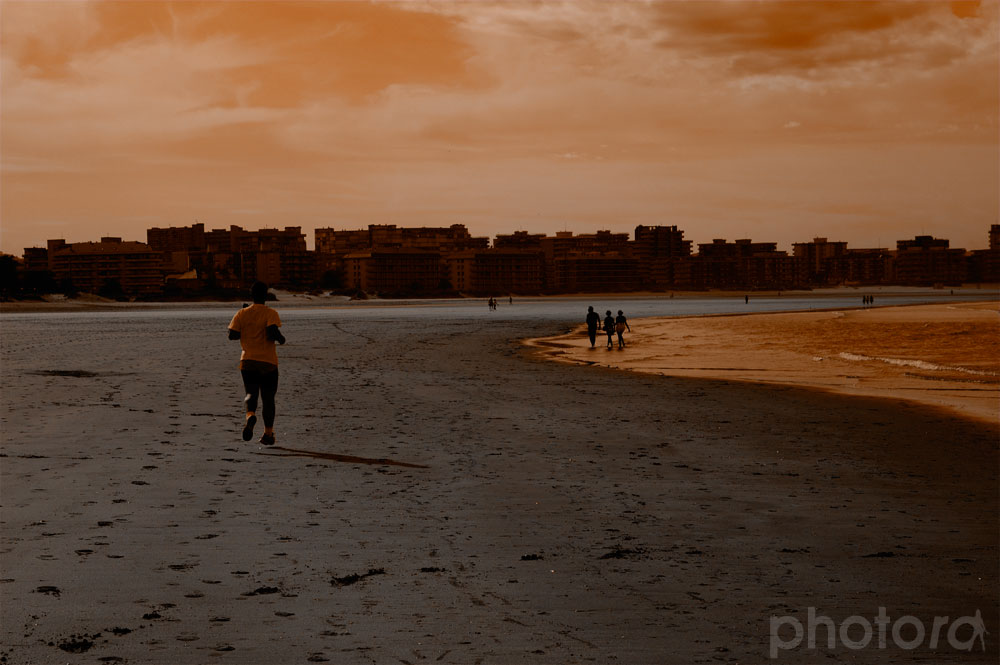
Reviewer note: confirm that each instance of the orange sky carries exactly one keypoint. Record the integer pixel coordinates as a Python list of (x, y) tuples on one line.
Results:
[(865, 122)]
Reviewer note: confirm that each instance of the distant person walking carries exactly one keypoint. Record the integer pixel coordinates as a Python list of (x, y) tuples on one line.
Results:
[(593, 321), (256, 327), (609, 328), (621, 325)]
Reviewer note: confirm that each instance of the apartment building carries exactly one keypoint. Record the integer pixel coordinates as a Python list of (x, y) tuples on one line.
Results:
[(394, 270), (444, 239), (94, 266), (234, 258), (518, 240), (741, 264), (496, 271), (177, 238), (593, 273), (658, 248), (926, 261), (858, 266), (984, 264), (813, 257)]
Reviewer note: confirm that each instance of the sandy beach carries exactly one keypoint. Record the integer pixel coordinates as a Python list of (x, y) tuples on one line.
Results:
[(940, 355), (441, 493)]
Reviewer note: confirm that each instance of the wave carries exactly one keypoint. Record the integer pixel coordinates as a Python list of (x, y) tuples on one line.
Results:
[(919, 364)]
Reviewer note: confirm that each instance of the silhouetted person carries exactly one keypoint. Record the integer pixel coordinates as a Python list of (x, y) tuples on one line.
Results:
[(609, 328), (621, 325), (593, 321), (256, 327), (746, 300), (510, 300)]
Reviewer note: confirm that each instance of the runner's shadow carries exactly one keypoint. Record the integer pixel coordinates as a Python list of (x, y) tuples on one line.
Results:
[(333, 457)]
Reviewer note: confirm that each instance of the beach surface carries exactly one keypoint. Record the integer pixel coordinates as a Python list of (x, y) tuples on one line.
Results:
[(440, 493), (942, 355)]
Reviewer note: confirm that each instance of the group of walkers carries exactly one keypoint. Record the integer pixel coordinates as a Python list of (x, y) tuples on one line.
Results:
[(867, 300), (612, 325), (492, 302)]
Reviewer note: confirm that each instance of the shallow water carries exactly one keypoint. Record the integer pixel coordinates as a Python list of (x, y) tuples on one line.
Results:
[(569, 310)]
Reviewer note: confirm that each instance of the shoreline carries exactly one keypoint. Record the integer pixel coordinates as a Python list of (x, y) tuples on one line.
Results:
[(90, 303), (929, 354)]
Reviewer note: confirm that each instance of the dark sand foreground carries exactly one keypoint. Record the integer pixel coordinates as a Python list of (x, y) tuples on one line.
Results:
[(441, 495)]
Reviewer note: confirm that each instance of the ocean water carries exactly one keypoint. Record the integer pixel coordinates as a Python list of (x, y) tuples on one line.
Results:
[(563, 311)]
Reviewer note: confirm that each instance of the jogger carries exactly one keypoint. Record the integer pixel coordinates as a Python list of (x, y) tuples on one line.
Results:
[(256, 327)]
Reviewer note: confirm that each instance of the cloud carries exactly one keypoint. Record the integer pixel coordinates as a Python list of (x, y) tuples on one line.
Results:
[(305, 107)]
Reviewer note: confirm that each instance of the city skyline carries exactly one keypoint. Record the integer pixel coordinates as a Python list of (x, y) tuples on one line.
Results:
[(781, 121), (310, 236)]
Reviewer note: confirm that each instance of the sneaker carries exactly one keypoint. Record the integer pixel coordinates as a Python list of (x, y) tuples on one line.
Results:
[(248, 428), (267, 439)]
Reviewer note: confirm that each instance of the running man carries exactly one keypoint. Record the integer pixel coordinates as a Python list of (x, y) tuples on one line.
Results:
[(256, 327)]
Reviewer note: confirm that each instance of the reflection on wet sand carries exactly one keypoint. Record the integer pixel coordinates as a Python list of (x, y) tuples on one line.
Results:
[(932, 354), (334, 457)]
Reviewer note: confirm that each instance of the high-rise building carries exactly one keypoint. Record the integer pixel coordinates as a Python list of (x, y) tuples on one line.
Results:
[(858, 266), (493, 272), (741, 264), (607, 254), (984, 264), (926, 261), (813, 256), (658, 248), (393, 270)]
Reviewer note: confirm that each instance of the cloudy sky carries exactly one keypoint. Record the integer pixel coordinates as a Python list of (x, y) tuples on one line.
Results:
[(865, 122)]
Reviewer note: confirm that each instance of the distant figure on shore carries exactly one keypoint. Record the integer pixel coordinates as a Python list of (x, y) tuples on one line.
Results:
[(510, 300), (491, 304), (593, 321), (746, 300), (256, 327), (621, 325), (609, 328)]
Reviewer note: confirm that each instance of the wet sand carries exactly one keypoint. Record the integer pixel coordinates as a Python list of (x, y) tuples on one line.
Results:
[(442, 494), (939, 355)]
